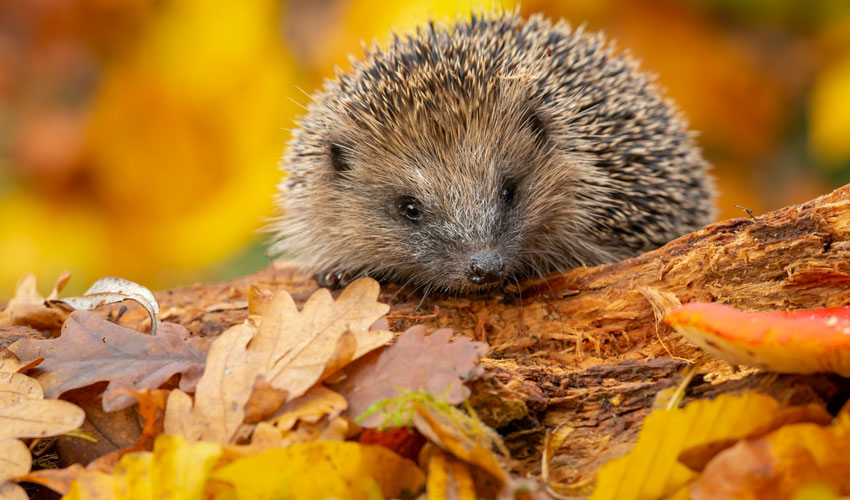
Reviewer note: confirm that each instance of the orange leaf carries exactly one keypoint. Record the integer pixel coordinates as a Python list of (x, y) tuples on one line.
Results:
[(787, 342), (699, 456), (58, 480), (781, 463)]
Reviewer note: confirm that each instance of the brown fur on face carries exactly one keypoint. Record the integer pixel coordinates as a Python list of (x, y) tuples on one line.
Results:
[(518, 137)]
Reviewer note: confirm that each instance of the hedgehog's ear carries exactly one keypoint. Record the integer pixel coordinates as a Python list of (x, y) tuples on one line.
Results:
[(340, 160)]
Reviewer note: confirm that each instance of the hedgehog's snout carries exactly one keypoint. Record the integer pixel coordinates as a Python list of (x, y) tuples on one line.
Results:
[(485, 267)]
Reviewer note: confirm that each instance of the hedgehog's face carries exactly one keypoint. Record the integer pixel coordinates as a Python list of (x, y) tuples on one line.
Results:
[(457, 158), (456, 202)]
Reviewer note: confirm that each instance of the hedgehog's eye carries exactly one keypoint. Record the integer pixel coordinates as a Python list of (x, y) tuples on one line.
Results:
[(339, 158), (508, 193), (409, 208), (535, 126)]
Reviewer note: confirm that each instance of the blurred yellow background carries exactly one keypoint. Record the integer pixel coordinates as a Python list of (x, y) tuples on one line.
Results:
[(140, 138)]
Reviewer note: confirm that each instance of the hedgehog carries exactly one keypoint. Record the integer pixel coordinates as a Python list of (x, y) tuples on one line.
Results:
[(468, 155)]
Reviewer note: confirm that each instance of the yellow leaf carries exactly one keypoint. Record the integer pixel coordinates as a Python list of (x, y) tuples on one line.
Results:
[(651, 470), (175, 469), (321, 470)]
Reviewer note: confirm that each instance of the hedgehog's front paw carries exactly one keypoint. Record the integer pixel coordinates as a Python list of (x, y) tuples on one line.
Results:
[(334, 280)]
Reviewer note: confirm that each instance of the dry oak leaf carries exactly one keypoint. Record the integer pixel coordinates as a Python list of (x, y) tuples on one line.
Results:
[(315, 404), (25, 414), (295, 349), (92, 349), (807, 341), (29, 308), (651, 470), (175, 469), (221, 394), (778, 465), (416, 361), (322, 469), (291, 350), (15, 459), (11, 491)]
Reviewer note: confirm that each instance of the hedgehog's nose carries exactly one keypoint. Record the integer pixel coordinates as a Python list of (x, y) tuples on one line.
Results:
[(484, 267)]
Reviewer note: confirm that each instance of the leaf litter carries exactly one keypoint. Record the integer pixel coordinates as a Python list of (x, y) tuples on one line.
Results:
[(279, 392)]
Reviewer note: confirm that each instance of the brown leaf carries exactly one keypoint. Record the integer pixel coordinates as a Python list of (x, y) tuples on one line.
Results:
[(152, 409), (293, 349), (343, 354), (416, 362), (112, 431), (28, 306), (92, 349), (221, 394)]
